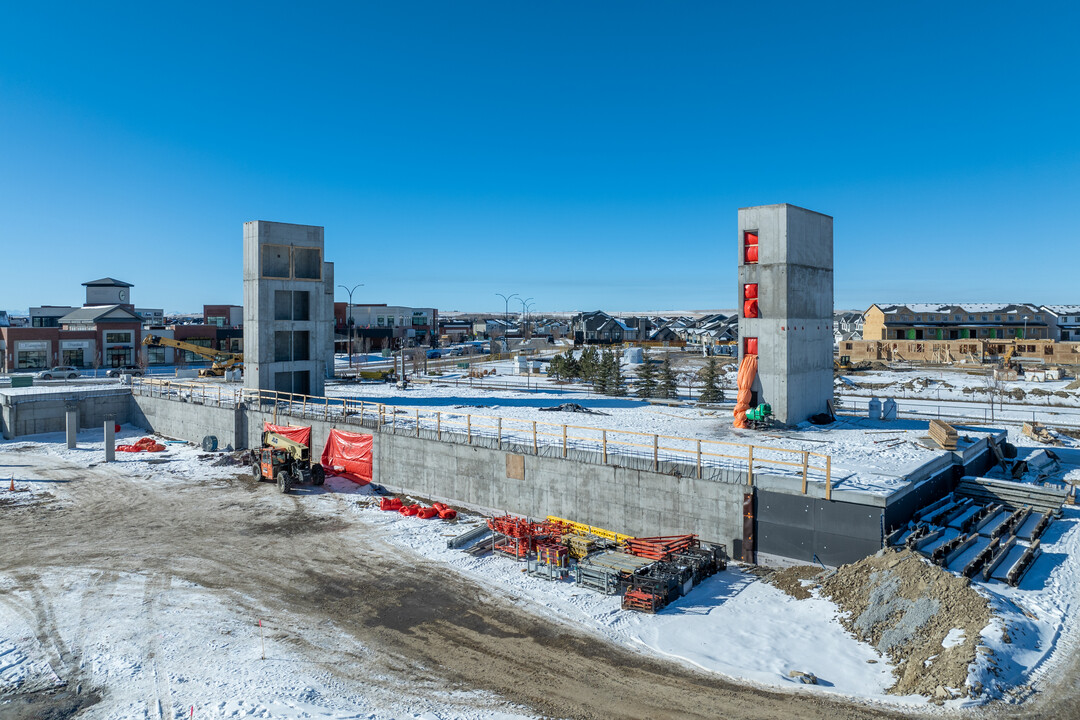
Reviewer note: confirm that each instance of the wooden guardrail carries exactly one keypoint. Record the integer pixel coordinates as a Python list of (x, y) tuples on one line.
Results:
[(607, 442)]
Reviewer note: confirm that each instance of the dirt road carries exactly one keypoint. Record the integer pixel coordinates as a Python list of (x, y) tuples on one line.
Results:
[(365, 611)]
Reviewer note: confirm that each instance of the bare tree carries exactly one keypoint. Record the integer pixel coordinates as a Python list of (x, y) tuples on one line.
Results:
[(995, 388)]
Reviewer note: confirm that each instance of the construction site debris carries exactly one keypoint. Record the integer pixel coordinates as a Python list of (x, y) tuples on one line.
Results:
[(572, 407), (1037, 432), (905, 607), (145, 444), (804, 677)]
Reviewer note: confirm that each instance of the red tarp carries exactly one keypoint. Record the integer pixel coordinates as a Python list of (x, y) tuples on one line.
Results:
[(349, 455), (298, 434)]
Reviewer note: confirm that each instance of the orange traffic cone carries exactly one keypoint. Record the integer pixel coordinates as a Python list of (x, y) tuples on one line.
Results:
[(12, 488)]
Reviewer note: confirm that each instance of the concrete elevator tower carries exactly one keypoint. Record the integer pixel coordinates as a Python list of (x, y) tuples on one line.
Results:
[(288, 308), (785, 301)]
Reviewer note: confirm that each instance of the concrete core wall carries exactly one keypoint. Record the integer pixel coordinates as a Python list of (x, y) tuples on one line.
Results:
[(288, 308), (794, 275)]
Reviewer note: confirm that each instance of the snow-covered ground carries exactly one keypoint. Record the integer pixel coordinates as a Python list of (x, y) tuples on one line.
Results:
[(207, 649), (866, 455), (160, 647)]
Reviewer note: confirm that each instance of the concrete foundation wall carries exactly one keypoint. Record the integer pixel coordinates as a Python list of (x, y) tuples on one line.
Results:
[(626, 494), (191, 421), (30, 413)]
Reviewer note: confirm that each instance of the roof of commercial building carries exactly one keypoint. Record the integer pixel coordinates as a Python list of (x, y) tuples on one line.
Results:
[(107, 282), (94, 313)]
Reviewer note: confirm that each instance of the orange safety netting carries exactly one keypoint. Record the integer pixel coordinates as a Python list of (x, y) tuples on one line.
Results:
[(296, 433), (747, 373)]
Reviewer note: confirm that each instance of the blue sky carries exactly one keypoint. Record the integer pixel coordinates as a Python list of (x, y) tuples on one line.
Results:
[(588, 155)]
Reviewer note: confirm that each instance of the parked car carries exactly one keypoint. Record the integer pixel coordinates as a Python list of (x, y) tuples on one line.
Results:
[(434, 354), (63, 371), (457, 351), (125, 370)]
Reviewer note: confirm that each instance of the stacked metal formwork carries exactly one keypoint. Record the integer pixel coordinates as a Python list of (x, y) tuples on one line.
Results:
[(518, 537), (989, 537)]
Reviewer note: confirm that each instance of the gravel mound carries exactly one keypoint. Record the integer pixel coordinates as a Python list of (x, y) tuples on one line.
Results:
[(906, 608), (790, 580)]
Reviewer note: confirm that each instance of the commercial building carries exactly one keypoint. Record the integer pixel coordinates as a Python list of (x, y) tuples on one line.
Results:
[(962, 321), (288, 308), (229, 316), (377, 326), (105, 332)]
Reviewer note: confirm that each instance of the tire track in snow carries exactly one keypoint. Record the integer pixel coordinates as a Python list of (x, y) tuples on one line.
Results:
[(160, 703), (89, 605)]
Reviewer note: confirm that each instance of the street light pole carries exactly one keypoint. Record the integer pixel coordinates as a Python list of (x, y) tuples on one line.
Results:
[(525, 305), (349, 318), (506, 309)]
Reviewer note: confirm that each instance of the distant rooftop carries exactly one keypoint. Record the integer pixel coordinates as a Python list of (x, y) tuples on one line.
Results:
[(962, 307), (107, 282)]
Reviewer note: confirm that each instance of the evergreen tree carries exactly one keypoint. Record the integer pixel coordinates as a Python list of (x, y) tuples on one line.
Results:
[(557, 368), (613, 374), (589, 364), (602, 374), (669, 382), (710, 379), (570, 368), (646, 378)]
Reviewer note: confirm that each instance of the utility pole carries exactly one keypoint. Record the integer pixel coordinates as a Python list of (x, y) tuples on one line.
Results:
[(349, 317)]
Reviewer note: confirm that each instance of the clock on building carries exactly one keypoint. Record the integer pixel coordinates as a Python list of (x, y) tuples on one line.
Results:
[(122, 294)]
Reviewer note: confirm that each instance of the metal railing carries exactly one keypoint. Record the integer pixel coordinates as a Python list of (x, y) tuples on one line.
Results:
[(453, 426)]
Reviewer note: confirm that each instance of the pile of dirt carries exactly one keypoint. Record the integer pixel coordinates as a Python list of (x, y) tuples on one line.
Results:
[(927, 620), (790, 580)]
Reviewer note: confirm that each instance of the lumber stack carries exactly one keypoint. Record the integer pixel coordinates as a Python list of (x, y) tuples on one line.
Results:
[(943, 434)]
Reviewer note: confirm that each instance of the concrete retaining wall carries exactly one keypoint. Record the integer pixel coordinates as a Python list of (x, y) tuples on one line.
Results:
[(189, 421), (626, 494), (29, 411), (623, 495)]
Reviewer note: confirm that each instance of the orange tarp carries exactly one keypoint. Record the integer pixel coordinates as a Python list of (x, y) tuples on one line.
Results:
[(747, 373), (295, 433), (349, 455)]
